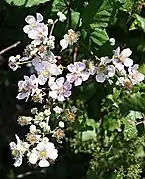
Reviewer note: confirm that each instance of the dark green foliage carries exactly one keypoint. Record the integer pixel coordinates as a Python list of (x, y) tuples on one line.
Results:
[(108, 138)]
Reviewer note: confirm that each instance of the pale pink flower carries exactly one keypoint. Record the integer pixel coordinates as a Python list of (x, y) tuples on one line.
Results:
[(60, 89), (78, 73), (27, 87)]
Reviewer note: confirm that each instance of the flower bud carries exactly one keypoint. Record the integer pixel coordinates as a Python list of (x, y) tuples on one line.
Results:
[(61, 124)]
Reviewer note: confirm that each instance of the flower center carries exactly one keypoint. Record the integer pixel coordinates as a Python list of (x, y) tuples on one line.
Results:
[(46, 73), (102, 68), (43, 153), (14, 152)]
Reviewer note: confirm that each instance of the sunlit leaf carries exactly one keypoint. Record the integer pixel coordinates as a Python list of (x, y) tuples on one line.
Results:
[(26, 3)]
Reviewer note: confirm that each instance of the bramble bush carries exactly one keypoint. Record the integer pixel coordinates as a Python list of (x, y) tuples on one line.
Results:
[(87, 95)]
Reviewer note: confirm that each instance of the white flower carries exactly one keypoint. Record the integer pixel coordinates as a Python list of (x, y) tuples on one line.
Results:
[(121, 59), (134, 75), (27, 87), (45, 70), (61, 16), (33, 22), (61, 124), (44, 151), (77, 74), (50, 21), (44, 126), (104, 70), (18, 149), (13, 62), (58, 110), (47, 112), (36, 30), (60, 89), (69, 39)]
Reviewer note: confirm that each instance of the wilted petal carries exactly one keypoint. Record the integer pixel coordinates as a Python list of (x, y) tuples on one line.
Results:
[(44, 163), (100, 77)]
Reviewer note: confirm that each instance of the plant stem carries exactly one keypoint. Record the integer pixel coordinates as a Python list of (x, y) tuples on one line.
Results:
[(69, 15), (53, 27), (10, 47)]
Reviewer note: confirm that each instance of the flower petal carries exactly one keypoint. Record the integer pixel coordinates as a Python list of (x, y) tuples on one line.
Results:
[(33, 158), (126, 52), (44, 163), (18, 161), (30, 19), (100, 77), (64, 44), (39, 17), (128, 62), (78, 82)]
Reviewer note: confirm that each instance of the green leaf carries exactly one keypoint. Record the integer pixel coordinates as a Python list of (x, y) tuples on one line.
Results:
[(95, 19), (99, 36), (58, 5), (128, 5), (89, 134), (111, 124), (26, 3), (76, 21), (133, 115), (135, 102), (91, 174), (140, 21), (130, 130)]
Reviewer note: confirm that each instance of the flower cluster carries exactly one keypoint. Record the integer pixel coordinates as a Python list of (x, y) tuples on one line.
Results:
[(52, 83)]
